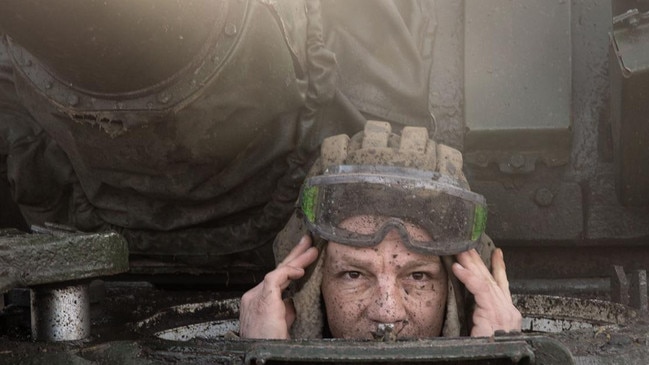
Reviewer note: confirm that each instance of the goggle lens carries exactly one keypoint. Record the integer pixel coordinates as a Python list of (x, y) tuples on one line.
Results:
[(432, 216)]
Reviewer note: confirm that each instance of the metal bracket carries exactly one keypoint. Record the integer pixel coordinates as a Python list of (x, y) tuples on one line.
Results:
[(630, 291)]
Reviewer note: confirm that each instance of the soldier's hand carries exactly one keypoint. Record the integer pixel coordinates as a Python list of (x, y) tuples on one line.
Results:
[(263, 313), (494, 309)]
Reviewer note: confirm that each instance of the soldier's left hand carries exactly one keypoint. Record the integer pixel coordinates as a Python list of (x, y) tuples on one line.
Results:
[(494, 309)]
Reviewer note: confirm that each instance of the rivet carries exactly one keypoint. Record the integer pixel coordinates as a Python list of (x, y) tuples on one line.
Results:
[(517, 161), (543, 197), (48, 85), (164, 98), (230, 29)]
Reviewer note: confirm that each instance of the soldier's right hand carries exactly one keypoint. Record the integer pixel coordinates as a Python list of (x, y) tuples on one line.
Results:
[(263, 313)]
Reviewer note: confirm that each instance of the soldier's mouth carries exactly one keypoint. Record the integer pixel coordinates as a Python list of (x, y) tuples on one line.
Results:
[(388, 332)]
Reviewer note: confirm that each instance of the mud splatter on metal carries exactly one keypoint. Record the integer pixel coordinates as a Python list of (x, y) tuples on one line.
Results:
[(60, 313)]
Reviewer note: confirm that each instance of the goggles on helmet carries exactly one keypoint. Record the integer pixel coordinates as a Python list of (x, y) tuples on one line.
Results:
[(386, 198)]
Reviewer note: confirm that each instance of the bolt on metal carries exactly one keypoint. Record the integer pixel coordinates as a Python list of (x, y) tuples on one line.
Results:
[(543, 197), (517, 161)]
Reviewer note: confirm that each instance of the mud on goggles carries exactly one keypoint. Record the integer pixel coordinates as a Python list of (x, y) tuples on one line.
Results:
[(358, 205)]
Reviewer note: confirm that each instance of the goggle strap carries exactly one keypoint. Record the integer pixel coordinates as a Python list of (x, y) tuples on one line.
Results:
[(440, 249), (479, 222), (308, 200)]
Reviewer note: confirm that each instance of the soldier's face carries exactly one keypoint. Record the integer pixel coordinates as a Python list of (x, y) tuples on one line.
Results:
[(387, 283)]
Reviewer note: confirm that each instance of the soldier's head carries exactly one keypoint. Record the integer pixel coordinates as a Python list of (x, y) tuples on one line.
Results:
[(387, 210)]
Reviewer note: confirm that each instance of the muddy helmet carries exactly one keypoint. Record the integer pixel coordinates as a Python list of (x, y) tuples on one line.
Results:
[(394, 182), (404, 179)]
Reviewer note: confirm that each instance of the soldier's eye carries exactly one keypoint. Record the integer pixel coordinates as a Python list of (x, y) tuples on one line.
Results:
[(419, 275), (352, 274)]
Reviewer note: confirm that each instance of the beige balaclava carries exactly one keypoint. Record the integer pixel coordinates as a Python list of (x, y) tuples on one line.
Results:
[(377, 145)]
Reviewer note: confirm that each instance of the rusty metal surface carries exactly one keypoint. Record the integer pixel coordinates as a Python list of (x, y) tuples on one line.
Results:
[(35, 259)]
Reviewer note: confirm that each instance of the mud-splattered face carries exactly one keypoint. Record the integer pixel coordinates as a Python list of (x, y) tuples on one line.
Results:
[(387, 283)]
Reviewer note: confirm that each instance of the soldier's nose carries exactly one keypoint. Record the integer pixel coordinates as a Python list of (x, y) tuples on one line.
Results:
[(387, 305)]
